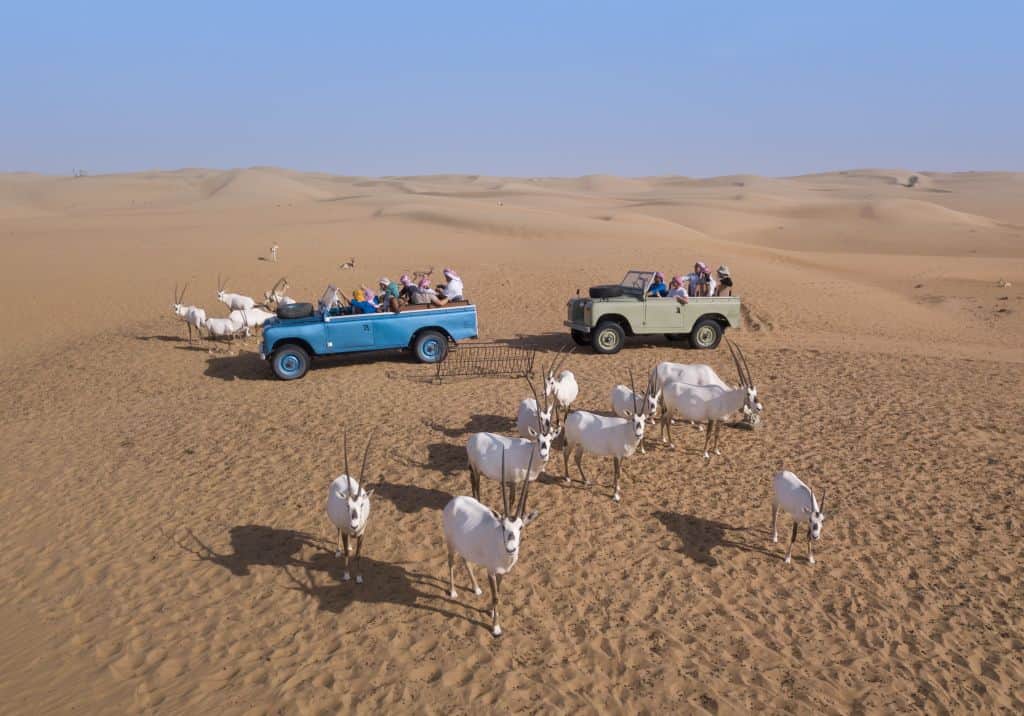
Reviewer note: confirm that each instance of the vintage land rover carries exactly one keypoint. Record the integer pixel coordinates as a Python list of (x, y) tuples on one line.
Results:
[(613, 312)]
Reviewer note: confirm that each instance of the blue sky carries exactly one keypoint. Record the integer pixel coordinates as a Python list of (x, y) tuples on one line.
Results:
[(531, 88)]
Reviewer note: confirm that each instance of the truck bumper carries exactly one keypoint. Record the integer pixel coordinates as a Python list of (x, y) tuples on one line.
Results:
[(581, 327)]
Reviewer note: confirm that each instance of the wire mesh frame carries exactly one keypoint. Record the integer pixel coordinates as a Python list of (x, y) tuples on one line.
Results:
[(485, 361)]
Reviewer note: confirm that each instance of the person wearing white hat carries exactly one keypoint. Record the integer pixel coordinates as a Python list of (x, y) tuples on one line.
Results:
[(454, 288), (724, 281)]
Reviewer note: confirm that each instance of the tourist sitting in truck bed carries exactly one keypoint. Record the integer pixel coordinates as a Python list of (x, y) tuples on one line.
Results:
[(453, 289), (724, 281), (360, 304), (421, 294), (677, 291)]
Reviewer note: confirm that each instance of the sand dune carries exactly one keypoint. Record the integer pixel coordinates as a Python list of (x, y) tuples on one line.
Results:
[(164, 542)]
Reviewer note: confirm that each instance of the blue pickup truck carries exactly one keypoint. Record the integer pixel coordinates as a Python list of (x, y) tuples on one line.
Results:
[(290, 343)]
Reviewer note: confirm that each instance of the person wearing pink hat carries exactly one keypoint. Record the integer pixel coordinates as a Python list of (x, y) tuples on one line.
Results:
[(677, 291), (421, 294), (699, 282), (658, 287)]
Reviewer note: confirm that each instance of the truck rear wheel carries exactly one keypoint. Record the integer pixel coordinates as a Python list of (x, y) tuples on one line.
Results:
[(430, 347), (607, 338), (290, 362), (706, 334), (579, 337)]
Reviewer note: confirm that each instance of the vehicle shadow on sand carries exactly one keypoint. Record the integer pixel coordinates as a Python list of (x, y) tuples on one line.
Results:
[(699, 536), (320, 576), (542, 343)]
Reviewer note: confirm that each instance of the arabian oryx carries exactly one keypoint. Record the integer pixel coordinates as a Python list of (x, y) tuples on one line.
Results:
[(531, 416), (234, 301), (348, 507), (487, 452), (563, 388), (624, 400), (487, 538), (694, 374), (617, 438), (275, 296), (193, 316), (797, 499), (708, 403)]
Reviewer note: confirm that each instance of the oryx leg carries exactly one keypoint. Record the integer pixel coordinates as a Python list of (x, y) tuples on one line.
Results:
[(666, 430), (707, 439), (566, 448), (810, 545), (792, 541), (579, 464), (618, 471), (775, 522), (189, 332), (359, 561), (472, 578), (474, 482), (337, 552), (495, 585), (345, 575), (452, 594), (718, 431)]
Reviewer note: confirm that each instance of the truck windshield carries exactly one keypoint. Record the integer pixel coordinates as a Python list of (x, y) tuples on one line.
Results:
[(636, 282)]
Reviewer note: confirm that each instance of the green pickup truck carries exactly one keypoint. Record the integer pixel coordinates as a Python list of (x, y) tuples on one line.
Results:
[(612, 312)]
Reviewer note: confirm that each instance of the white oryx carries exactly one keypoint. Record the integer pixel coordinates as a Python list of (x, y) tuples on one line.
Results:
[(252, 318), (193, 316), (529, 415), (229, 327), (617, 438), (708, 403), (486, 538), (563, 388), (348, 507), (791, 494), (526, 457), (234, 301), (625, 401)]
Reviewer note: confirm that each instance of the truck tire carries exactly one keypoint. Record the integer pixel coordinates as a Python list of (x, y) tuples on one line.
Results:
[(580, 338), (706, 334), (295, 310), (290, 362), (607, 338), (609, 291), (430, 347)]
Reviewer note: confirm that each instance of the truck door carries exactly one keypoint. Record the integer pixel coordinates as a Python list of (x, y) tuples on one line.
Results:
[(347, 333)]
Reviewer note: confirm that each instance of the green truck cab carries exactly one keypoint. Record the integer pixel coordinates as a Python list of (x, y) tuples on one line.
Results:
[(612, 312)]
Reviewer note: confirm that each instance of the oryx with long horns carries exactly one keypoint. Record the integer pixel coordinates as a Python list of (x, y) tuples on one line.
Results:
[(193, 316), (486, 538), (531, 415), (625, 401), (275, 297), (709, 403), (348, 507), (599, 435), (234, 301), (563, 388)]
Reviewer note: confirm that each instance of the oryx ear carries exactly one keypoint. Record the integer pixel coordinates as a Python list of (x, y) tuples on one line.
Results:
[(533, 433), (558, 431), (496, 516), (531, 517), (370, 492), (628, 413)]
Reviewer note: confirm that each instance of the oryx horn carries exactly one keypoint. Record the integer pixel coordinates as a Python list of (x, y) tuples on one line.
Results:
[(526, 487)]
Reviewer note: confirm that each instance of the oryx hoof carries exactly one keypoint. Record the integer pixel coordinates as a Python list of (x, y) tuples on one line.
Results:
[(453, 594), (496, 630), (359, 579), (775, 539), (337, 553), (717, 451), (616, 497), (346, 576), (707, 456), (810, 560), (788, 559), (477, 591)]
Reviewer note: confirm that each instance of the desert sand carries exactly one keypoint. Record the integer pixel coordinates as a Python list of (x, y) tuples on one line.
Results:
[(164, 539)]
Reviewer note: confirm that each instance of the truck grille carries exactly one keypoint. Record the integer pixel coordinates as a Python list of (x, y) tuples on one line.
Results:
[(576, 311)]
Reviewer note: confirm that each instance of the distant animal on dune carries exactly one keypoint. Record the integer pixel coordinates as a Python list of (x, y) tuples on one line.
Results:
[(350, 264)]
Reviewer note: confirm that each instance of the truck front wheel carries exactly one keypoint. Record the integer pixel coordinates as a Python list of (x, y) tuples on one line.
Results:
[(430, 347), (706, 333), (290, 362), (607, 338)]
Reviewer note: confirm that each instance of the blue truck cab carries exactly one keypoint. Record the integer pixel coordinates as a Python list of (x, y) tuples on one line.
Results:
[(291, 343)]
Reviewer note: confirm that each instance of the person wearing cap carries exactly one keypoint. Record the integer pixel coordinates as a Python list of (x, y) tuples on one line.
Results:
[(658, 288), (724, 281), (453, 290), (677, 291)]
